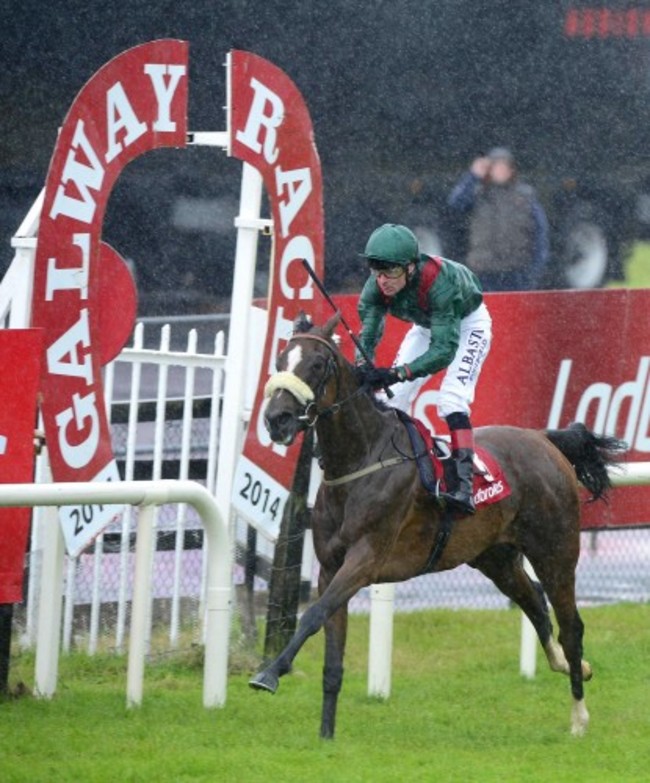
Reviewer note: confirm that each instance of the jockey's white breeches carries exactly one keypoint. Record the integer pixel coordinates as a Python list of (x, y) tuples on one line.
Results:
[(458, 386)]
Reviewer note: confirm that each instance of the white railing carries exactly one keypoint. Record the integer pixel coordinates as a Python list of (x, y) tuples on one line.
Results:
[(137, 375), (164, 359), (146, 495), (97, 585)]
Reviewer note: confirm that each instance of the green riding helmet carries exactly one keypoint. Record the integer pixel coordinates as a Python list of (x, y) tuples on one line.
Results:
[(392, 244)]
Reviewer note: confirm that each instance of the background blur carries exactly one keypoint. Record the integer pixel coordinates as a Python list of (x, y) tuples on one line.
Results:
[(402, 94)]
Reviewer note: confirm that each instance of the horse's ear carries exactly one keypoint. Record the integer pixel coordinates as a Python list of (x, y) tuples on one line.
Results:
[(330, 326), (302, 323)]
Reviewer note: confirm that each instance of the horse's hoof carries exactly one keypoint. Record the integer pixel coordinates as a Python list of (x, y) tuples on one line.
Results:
[(587, 672), (264, 681), (579, 718)]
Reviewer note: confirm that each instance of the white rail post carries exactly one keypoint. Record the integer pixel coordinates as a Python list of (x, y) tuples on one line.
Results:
[(140, 605), (50, 602), (382, 597), (248, 227), (528, 649)]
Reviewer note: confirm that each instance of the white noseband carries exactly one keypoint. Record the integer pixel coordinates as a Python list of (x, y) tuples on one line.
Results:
[(287, 381)]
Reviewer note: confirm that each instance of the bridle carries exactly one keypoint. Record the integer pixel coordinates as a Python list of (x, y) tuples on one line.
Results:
[(303, 393)]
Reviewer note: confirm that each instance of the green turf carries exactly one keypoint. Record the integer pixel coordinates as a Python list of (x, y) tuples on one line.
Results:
[(637, 268), (459, 711)]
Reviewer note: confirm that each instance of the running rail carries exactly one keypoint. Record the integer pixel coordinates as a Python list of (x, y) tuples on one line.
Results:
[(630, 474), (145, 494)]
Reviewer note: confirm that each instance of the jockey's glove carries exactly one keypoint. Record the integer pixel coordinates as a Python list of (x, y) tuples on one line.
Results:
[(377, 377)]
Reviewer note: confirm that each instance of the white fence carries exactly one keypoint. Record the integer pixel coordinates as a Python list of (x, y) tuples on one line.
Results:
[(179, 374), (146, 495), (143, 378), (164, 399)]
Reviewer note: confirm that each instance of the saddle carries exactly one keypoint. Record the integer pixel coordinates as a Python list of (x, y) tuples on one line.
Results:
[(432, 456)]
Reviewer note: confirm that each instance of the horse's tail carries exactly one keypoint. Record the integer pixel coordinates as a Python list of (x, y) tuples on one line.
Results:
[(590, 456)]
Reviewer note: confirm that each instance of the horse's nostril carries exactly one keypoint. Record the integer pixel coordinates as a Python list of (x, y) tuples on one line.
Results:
[(284, 421), (278, 422)]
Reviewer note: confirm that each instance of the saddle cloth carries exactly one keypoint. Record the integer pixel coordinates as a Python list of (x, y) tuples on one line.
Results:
[(433, 457)]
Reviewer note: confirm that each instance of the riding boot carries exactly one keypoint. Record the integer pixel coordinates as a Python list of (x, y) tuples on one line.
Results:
[(461, 492), (461, 497)]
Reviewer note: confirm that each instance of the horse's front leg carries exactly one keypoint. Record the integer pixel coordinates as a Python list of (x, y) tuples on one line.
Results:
[(349, 579), (311, 621), (336, 630)]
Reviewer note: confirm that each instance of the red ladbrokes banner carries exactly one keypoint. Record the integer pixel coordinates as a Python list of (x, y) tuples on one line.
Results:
[(20, 360), (83, 297), (559, 357), (270, 128)]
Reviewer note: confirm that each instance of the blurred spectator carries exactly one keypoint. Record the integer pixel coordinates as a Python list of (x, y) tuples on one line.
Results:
[(508, 230)]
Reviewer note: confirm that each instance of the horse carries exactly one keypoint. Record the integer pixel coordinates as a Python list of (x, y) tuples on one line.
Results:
[(373, 521)]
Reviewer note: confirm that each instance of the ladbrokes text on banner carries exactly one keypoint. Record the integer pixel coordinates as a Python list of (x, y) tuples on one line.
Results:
[(135, 103), (270, 128)]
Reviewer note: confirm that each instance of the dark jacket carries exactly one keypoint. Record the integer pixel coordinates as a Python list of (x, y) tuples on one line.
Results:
[(508, 234)]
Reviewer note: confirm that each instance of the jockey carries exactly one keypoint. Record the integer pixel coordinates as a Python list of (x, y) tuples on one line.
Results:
[(451, 330)]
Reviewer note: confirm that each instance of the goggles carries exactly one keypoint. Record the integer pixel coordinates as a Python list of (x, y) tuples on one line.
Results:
[(391, 271)]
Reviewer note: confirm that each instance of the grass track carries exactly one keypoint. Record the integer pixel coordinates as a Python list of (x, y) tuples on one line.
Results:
[(459, 711)]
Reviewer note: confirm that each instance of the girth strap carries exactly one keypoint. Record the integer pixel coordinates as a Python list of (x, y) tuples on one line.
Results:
[(444, 531)]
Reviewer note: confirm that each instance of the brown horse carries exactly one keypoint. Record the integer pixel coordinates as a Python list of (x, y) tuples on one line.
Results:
[(378, 524)]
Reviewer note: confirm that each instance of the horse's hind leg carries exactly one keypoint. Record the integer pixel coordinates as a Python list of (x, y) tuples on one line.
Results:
[(560, 589), (503, 564)]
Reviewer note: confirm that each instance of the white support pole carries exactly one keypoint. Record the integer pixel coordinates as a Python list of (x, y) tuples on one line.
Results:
[(528, 649), (140, 607), (208, 139), (17, 283), (382, 597), (237, 359), (50, 603), (136, 493)]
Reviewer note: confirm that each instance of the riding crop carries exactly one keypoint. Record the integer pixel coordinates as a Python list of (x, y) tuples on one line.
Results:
[(345, 324)]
